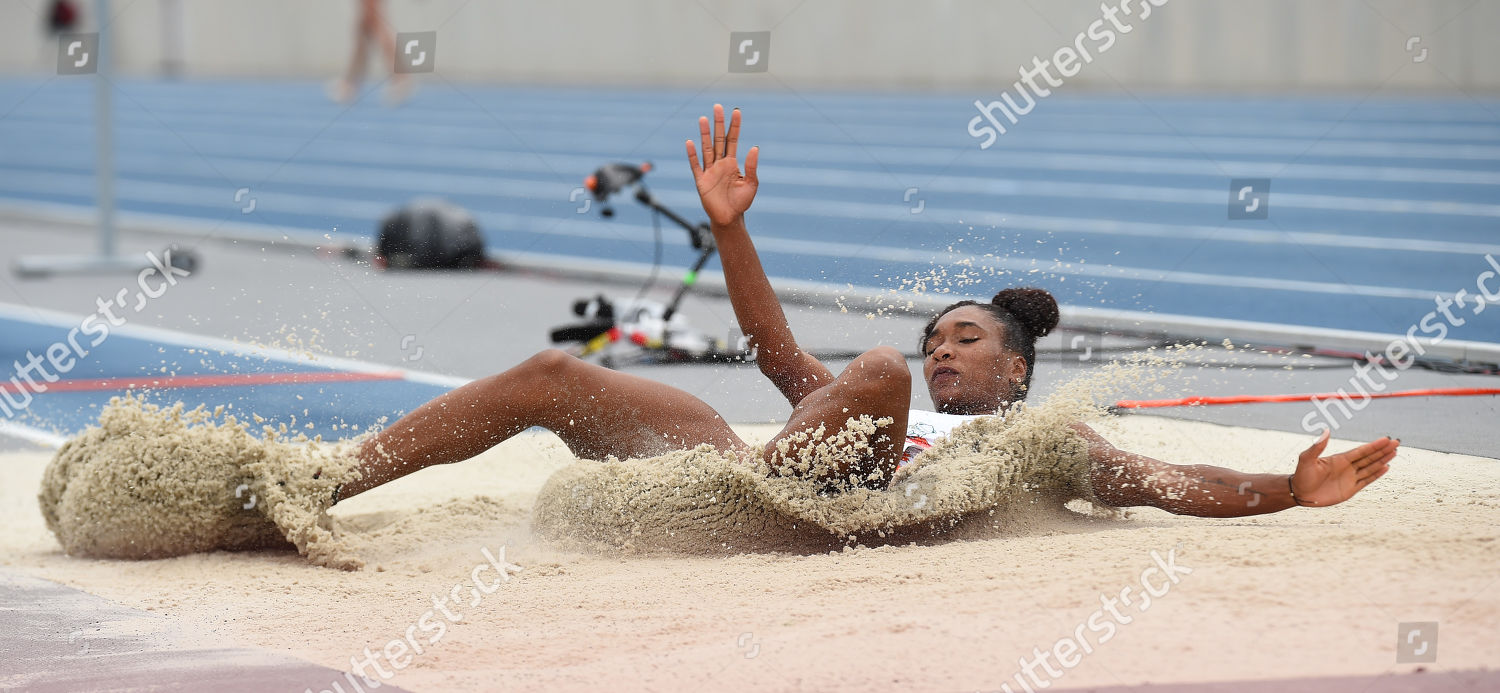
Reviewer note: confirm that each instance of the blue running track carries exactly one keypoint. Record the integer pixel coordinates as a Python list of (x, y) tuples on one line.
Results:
[(1375, 206)]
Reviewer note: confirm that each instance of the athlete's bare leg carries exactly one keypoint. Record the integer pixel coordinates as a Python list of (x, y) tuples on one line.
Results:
[(382, 31), (370, 27), (596, 411), (599, 412)]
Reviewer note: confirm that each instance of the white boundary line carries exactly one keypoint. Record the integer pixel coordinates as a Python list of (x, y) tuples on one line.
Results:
[(396, 156), (1128, 322), (31, 434), (926, 116), (550, 124), (52, 318), (378, 177)]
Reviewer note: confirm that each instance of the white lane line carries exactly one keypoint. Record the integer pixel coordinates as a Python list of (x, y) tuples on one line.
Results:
[(1320, 116), (32, 434), (934, 115), (157, 335), (931, 125), (1326, 112), (1015, 187), (566, 155), (229, 125), (1230, 234), (1022, 266), (1137, 165), (51, 318)]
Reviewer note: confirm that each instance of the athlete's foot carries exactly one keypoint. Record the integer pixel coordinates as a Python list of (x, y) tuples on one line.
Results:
[(398, 90), (341, 91)]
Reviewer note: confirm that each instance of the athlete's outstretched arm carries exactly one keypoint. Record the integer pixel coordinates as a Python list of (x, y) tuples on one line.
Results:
[(1124, 479), (726, 194)]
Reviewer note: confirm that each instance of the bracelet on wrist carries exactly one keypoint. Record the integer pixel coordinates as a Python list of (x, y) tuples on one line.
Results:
[(1292, 490)]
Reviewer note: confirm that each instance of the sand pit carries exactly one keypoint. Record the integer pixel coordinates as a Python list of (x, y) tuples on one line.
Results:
[(1300, 593), (1021, 467), (148, 482)]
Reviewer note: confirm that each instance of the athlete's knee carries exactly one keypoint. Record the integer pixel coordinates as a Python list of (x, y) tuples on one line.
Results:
[(545, 366), (884, 363), (550, 363)]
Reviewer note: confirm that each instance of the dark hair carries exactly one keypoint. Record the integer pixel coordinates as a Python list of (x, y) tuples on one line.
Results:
[(1026, 313)]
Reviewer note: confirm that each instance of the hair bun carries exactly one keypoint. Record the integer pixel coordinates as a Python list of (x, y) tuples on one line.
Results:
[(1035, 308)]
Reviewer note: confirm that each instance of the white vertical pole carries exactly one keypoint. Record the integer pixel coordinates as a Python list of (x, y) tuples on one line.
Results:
[(107, 258), (172, 44), (104, 156)]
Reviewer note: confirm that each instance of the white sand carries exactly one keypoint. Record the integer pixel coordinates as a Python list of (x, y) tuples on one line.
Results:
[(1300, 593)]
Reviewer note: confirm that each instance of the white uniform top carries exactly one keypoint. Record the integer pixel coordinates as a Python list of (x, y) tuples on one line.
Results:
[(925, 428)]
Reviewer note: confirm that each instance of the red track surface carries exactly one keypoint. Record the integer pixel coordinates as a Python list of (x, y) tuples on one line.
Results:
[(182, 381)]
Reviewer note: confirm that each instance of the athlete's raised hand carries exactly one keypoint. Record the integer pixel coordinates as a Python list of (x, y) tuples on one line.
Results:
[(724, 191), (1321, 481)]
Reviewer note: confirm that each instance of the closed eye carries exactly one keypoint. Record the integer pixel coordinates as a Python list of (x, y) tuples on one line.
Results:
[(966, 341)]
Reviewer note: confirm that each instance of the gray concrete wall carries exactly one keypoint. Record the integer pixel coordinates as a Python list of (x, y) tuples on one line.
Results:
[(946, 44)]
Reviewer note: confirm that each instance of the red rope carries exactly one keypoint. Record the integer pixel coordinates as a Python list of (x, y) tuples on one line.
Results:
[(1255, 399)]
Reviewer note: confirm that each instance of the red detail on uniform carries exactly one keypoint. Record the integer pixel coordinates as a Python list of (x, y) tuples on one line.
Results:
[(638, 338), (914, 446)]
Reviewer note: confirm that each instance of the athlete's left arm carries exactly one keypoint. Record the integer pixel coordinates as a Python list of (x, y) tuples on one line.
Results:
[(1124, 479)]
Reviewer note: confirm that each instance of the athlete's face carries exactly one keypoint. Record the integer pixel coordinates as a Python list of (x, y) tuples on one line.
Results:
[(967, 367)]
